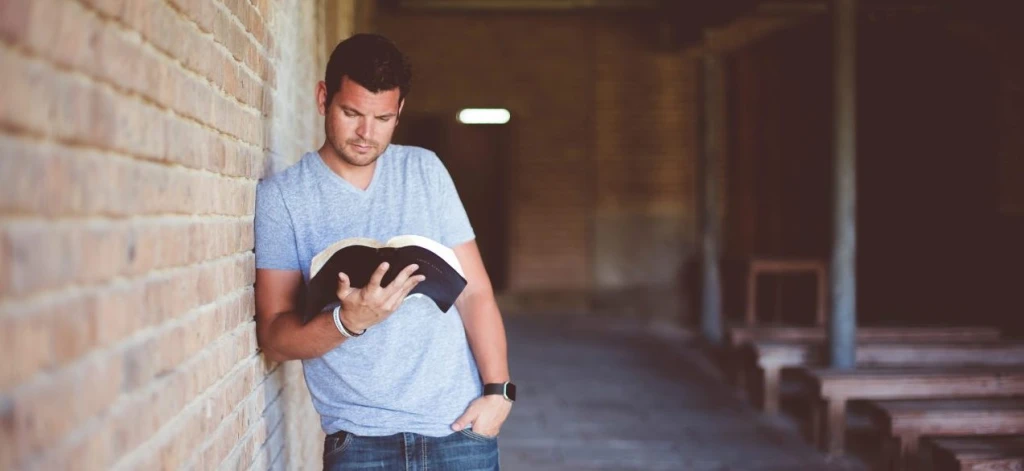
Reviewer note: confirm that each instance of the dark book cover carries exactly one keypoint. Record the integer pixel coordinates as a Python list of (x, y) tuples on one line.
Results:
[(359, 258)]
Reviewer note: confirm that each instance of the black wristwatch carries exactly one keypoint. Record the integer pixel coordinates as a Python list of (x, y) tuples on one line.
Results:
[(506, 389)]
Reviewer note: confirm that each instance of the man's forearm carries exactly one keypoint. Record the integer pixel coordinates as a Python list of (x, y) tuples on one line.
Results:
[(287, 338), (486, 333)]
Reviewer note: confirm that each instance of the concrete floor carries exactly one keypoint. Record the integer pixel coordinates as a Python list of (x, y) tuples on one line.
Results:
[(614, 395)]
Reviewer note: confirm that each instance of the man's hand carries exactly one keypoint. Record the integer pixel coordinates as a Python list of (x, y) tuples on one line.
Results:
[(369, 306), (486, 414)]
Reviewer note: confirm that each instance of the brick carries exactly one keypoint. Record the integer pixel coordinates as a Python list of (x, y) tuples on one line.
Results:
[(5, 261), (7, 433), (28, 340), (86, 451), (253, 410), (250, 19), (110, 151), (23, 83), (14, 21), (58, 180), (264, 9), (168, 348), (173, 36), (227, 32), (37, 422), (135, 418), (49, 256), (77, 111), (260, 442), (268, 453), (246, 417), (42, 338), (233, 399)]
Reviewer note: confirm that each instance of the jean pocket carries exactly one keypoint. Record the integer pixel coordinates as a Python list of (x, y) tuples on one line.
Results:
[(336, 443), (478, 436)]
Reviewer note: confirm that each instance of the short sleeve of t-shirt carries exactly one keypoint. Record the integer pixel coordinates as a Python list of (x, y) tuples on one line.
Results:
[(455, 225), (275, 236)]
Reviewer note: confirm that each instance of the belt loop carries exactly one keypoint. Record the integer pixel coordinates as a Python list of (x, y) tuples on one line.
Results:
[(406, 438)]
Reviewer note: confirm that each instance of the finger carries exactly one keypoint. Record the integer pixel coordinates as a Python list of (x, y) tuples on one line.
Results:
[(378, 275), (486, 430), (344, 286), (464, 420), (399, 282), (409, 285), (402, 290)]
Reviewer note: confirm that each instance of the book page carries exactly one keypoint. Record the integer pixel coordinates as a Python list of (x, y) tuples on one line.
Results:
[(321, 258), (446, 254)]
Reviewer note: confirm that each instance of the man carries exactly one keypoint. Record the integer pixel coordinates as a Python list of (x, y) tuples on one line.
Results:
[(398, 384)]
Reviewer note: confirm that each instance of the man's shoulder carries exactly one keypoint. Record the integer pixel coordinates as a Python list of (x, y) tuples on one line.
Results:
[(416, 157), (411, 153), (288, 178)]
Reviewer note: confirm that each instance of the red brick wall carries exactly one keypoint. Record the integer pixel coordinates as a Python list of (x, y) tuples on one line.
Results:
[(132, 134)]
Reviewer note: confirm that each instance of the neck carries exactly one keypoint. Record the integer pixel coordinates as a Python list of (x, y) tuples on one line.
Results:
[(359, 176)]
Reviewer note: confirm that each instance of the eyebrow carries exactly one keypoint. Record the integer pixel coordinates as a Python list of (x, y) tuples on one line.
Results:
[(353, 110)]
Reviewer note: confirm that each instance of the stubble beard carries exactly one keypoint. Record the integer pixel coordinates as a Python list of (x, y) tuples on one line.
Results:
[(357, 160)]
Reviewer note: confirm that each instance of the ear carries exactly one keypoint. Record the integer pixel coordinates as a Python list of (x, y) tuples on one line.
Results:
[(321, 97)]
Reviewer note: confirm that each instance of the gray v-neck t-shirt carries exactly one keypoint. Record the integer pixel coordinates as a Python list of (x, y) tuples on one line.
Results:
[(414, 372)]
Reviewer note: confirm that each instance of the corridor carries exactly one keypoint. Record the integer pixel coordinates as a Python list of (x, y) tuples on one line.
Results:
[(602, 395)]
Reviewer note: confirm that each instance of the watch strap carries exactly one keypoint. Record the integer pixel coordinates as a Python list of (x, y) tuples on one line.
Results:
[(506, 389)]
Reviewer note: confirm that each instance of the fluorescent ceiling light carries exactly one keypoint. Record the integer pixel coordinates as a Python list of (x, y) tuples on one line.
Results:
[(484, 116)]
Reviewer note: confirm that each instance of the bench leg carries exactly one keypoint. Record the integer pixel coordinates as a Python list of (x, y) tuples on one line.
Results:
[(815, 423), (907, 459), (771, 390), (887, 456), (836, 426)]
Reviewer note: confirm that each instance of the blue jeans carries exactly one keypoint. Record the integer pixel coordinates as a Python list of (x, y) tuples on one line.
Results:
[(460, 451)]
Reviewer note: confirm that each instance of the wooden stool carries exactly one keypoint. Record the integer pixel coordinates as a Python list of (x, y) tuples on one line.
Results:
[(785, 266)]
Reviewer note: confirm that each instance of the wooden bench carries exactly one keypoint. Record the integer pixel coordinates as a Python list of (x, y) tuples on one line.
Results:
[(786, 266), (739, 335), (770, 358), (983, 453), (835, 387), (907, 421)]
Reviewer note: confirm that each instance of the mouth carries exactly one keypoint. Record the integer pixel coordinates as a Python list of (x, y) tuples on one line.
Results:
[(361, 148)]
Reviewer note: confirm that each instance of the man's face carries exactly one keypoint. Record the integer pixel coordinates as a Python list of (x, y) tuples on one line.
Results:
[(359, 123)]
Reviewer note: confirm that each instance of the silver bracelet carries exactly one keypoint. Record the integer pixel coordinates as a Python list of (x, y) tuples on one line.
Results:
[(341, 327)]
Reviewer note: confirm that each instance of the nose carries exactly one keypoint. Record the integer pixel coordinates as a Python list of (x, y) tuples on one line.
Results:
[(365, 127)]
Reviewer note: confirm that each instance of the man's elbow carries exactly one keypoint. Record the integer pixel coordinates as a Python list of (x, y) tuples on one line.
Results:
[(264, 342), (272, 355)]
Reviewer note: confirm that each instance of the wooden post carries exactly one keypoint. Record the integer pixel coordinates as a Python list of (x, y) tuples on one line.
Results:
[(714, 107), (843, 321)]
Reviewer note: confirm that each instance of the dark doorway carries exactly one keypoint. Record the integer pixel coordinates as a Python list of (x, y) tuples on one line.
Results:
[(477, 159)]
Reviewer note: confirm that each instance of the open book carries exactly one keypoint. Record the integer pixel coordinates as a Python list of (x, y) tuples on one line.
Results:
[(359, 257)]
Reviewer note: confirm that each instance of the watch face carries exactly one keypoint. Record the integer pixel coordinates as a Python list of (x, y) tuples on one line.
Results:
[(510, 391)]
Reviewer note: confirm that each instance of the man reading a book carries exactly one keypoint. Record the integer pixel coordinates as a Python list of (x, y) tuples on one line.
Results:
[(396, 381)]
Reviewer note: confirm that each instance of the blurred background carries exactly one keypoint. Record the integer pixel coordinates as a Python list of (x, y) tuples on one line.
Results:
[(133, 133)]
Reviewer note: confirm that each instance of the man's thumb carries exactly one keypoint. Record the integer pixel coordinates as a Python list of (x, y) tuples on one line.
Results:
[(462, 422), (344, 286)]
